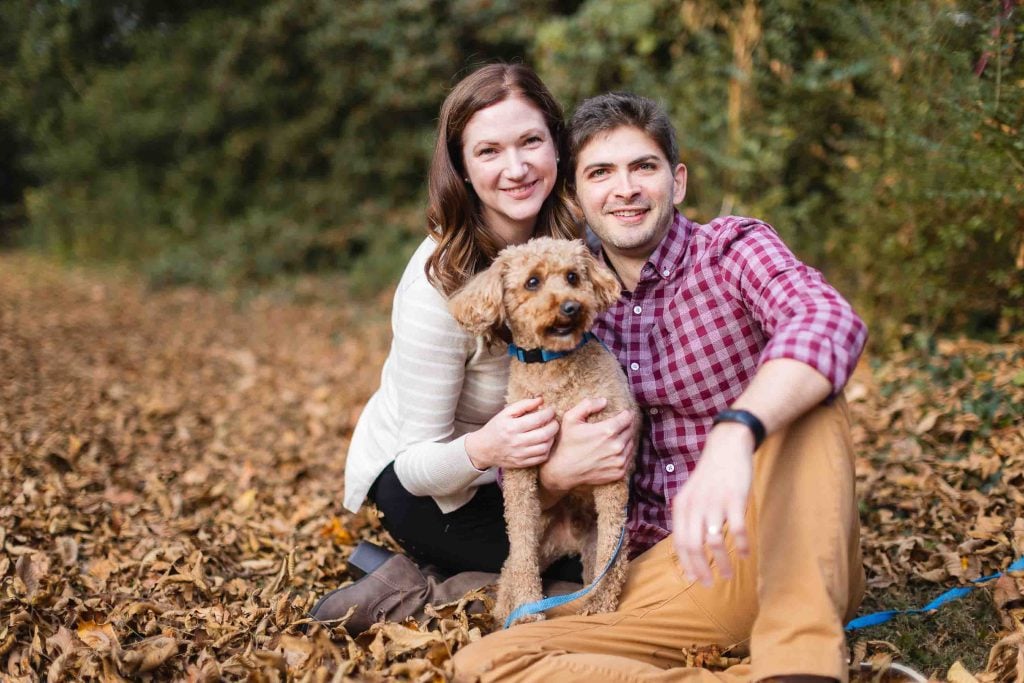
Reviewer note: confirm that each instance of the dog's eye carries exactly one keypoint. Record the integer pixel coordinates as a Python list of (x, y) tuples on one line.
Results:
[(533, 282), (572, 278)]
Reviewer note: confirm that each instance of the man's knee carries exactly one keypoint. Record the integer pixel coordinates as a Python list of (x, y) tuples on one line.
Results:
[(471, 661)]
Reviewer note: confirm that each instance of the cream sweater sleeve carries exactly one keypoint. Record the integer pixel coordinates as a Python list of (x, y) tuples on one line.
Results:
[(430, 352)]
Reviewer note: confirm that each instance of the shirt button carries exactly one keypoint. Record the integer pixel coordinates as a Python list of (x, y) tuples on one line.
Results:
[(670, 467), (637, 310), (634, 366), (654, 411), (666, 272)]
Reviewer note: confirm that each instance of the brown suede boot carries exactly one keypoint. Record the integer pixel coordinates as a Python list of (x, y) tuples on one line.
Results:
[(394, 591)]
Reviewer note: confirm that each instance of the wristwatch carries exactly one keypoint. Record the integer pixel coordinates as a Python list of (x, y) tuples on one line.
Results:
[(744, 417)]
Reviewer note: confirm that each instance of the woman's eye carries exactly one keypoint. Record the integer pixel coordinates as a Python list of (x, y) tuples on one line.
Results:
[(573, 279), (486, 151), (533, 283), (534, 139)]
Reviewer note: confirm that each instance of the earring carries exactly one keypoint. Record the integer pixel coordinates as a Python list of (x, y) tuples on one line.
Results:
[(467, 180)]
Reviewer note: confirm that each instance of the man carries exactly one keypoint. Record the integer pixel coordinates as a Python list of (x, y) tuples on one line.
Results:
[(726, 339)]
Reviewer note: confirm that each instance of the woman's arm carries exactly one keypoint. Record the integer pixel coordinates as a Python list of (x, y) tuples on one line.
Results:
[(430, 353)]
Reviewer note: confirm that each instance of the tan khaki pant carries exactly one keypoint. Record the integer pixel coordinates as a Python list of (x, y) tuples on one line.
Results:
[(785, 605)]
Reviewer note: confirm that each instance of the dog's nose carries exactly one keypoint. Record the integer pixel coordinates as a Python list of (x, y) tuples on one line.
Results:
[(571, 308)]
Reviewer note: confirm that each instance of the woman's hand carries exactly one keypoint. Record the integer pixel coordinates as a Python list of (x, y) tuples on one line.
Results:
[(592, 453), (520, 435)]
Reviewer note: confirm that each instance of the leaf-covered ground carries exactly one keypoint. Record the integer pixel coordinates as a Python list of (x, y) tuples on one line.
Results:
[(171, 485)]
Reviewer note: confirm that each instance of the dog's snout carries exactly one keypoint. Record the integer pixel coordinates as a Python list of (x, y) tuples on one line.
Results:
[(571, 308)]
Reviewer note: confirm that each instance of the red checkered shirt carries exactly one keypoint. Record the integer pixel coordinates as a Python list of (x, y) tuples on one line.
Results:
[(712, 304)]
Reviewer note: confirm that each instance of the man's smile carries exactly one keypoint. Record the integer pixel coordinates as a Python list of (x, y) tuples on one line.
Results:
[(631, 214)]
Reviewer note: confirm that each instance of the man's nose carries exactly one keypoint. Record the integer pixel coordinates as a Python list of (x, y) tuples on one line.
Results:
[(625, 186)]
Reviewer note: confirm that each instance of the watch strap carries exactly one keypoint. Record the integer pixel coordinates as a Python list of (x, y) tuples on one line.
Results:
[(744, 417)]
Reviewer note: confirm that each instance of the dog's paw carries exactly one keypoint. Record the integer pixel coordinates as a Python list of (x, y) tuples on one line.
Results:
[(530, 618), (602, 604)]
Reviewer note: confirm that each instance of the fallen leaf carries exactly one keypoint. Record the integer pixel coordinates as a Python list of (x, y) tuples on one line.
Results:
[(958, 674), (148, 654), (100, 637)]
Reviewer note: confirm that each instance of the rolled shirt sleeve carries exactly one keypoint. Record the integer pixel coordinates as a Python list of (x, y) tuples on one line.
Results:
[(803, 317)]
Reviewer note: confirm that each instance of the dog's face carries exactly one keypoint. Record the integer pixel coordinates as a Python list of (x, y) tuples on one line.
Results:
[(548, 291)]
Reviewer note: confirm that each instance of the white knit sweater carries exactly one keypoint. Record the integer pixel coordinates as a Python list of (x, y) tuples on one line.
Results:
[(438, 384)]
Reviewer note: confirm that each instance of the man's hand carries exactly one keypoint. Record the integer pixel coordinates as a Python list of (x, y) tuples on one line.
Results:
[(716, 493), (592, 453), (519, 436)]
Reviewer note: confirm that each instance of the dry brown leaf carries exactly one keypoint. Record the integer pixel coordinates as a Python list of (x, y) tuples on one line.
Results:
[(101, 568), (927, 423), (958, 674), (148, 654), (986, 527), (61, 642), (30, 569), (100, 637), (245, 502)]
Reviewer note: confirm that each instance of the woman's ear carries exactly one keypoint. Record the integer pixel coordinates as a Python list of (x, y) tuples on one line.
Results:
[(478, 305), (606, 286)]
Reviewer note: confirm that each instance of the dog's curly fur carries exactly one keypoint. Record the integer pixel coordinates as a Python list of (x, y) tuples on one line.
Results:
[(527, 288)]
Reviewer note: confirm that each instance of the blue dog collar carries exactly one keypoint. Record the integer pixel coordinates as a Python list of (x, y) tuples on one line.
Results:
[(543, 355)]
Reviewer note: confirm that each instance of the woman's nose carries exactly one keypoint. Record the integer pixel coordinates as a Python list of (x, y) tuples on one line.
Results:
[(515, 164)]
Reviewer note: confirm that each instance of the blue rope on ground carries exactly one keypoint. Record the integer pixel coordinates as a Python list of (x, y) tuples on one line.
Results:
[(952, 594)]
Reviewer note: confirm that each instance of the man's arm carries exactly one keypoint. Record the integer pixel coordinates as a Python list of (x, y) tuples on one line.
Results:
[(781, 391), (814, 341)]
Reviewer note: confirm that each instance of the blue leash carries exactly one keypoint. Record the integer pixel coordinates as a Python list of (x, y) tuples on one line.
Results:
[(877, 618), (556, 600), (866, 621)]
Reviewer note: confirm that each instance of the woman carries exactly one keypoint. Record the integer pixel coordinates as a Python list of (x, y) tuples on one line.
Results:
[(428, 444)]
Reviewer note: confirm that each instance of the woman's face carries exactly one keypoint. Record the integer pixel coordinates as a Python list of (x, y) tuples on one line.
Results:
[(509, 157)]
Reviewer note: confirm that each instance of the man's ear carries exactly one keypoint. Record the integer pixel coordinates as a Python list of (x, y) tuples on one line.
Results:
[(679, 186), (478, 305), (606, 285)]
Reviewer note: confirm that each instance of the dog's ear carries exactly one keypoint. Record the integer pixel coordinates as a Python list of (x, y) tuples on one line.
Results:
[(606, 285), (478, 305)]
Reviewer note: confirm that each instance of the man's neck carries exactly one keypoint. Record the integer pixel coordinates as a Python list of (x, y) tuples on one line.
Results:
[(628, 268)]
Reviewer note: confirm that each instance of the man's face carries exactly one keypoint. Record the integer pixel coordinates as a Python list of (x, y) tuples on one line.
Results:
[(628, 190)]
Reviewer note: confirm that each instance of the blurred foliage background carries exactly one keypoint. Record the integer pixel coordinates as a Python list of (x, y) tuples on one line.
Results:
[(245, 142)]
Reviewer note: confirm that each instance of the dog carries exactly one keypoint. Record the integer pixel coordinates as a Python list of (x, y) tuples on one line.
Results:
[(548, 293)]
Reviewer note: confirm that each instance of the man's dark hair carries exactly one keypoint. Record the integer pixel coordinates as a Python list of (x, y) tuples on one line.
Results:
[(604, 113)]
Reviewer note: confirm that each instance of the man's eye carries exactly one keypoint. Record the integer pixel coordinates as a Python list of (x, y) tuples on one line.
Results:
[(598, 173), (572, 278), (533, 283)]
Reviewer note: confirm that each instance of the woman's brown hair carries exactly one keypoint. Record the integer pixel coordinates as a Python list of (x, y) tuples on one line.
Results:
[(454, 218)]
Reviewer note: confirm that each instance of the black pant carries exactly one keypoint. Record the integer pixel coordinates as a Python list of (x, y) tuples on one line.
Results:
[(472, 538)]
